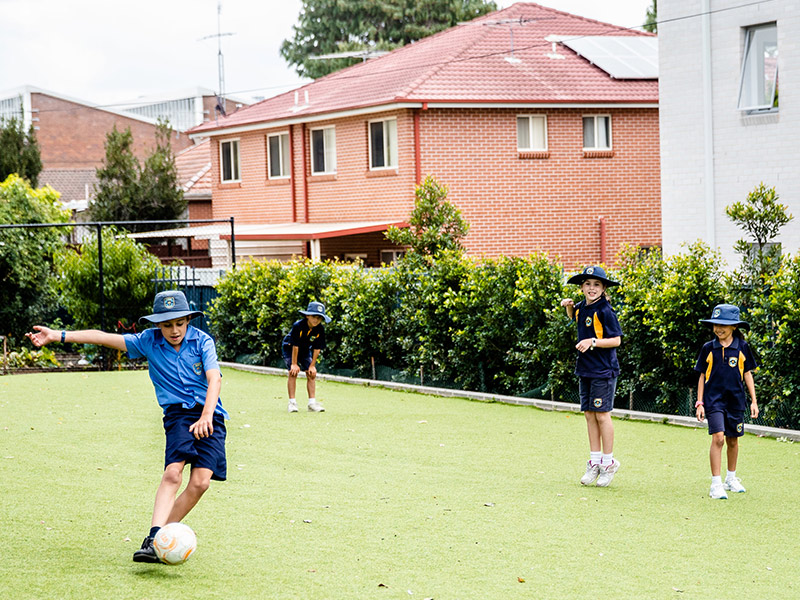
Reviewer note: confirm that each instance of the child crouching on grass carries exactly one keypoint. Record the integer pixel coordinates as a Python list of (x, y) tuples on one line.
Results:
[(597, 369), (300, 349), (726, 366), (184, 370)]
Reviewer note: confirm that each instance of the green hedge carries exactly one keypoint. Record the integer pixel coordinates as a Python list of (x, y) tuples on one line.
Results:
[(495, 325)]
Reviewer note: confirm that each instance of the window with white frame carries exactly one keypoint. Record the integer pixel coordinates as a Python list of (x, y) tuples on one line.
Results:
[(531, 133), (383, 144), (323, 150), (597, 132), (279, 157), (758, 86), (229, 161), (389, 257)]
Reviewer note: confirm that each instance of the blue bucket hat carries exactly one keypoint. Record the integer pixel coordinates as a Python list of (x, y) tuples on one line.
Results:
[(592, 272), (170, 305), (726, 314), (317, 309)]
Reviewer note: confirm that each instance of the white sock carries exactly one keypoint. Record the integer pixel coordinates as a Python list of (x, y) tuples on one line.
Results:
[(595, 457), (292, 401), (716, 480), (730, 475), (312, 400), (607, 459)]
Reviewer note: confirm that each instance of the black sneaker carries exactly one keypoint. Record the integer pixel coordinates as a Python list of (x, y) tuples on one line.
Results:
[(146, 553)]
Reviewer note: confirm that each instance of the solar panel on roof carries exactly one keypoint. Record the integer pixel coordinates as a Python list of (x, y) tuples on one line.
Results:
[(622, 57)]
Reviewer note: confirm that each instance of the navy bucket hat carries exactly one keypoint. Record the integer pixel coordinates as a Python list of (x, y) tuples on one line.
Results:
[(170, 305), (726, 314), (316, 309), (592, 272)]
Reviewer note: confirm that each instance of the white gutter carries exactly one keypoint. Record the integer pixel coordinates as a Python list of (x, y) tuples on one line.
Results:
[(405, 105), (708, 128)]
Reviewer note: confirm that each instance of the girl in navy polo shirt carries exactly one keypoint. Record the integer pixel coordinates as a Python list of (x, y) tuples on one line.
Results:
[(182, 362), (300, 349), (726, 367), (597, 368)]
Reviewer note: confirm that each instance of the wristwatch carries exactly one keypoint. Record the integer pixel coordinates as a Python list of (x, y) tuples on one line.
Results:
[(594, 343)]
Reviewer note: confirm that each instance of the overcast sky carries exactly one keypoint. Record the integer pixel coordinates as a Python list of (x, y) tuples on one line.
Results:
[(107, 51)]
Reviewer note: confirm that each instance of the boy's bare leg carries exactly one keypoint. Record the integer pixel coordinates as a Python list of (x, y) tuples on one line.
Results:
[(715, 453), (165, 496), (199, 481), (593, 428)]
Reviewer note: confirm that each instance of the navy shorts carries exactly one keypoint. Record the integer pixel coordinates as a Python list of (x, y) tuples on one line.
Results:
[(597, 393), (732, 423), (304, 362), (206, 453)]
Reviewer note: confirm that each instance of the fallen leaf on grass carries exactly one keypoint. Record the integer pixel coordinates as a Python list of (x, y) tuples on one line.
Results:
[(677, 590), (521, 579), (383, 585), (489, 504)]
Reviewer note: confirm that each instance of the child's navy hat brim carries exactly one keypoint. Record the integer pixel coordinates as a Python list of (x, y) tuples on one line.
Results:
[(170, 305), (726, 314), (592, 273), (316, 309)]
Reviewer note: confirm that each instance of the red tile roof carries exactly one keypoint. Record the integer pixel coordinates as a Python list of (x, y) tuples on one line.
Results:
[(194, 170), (465, 64)]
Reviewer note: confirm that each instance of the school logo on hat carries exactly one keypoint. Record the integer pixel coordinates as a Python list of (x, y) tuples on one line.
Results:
[(169, 302), (716, 313), (733, 361), (740, 428), (589, 271), (598, 402)]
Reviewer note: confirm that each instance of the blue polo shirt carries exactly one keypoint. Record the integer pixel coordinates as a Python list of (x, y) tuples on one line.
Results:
[(724, 369), (178, 377), (597, 320)]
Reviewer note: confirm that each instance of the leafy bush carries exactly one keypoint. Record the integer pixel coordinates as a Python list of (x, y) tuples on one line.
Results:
[(128, 270), (26, 358)]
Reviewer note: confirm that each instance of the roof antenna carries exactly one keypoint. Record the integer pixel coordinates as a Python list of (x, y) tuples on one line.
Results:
[(511, 23), (220, 107)]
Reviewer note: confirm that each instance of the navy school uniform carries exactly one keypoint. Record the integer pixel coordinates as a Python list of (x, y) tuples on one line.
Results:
[(724, 395), (179, 379), (597, 369), (306, 339)]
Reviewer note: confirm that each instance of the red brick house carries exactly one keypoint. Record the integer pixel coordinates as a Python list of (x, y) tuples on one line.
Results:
[(541, 124)]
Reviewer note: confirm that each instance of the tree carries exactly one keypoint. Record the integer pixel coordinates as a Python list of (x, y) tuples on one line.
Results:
[(27, 292), (330, 26), (651, 18), (19, 152), (762, 217), (128, 191), (436, 225)]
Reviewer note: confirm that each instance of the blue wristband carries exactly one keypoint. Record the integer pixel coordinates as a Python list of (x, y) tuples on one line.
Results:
[(63, 336)]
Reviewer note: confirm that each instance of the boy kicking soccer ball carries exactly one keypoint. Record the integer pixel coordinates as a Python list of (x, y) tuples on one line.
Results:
[(184, 370)]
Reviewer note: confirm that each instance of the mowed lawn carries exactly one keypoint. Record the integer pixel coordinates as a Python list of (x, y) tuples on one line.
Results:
[(385, 495)]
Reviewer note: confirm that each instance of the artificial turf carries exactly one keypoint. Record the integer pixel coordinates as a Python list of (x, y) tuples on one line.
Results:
[(385, 495)]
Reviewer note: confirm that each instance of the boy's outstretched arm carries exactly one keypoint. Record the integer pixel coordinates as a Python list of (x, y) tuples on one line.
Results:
[(44, 335)]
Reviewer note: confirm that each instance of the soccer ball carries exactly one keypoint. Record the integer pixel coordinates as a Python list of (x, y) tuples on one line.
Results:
[(174, 543)]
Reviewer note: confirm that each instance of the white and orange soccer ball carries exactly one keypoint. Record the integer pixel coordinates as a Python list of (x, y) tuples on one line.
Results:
[(174, 543)]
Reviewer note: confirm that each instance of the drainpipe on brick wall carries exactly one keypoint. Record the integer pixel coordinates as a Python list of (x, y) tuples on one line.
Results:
[(305, 177), (417, 152), (602, 240), (294, 179), (708, 127)]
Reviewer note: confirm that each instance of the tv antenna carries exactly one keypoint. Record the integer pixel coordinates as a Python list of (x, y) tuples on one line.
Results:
[(220, 60)]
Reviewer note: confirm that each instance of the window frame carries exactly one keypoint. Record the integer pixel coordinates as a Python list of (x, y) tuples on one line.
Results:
[(530, 118), (328, 169), (753, 72), (235, 158), (596, 148), (392, 154), (284, 161)]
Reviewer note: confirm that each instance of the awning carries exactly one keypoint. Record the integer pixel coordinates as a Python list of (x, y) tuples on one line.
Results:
[(307, 232)]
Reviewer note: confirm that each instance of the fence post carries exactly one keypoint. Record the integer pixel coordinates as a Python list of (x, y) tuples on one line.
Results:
[(233, 246)]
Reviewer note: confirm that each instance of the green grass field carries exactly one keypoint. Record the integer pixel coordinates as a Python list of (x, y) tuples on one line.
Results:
[(386, 495)]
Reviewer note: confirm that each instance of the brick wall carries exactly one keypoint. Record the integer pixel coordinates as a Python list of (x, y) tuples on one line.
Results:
[(516, 205), (72, 135)]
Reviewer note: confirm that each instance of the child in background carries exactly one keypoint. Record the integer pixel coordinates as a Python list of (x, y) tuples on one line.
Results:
[(182, 362), (597, 368), (301, 348), (726, 366)]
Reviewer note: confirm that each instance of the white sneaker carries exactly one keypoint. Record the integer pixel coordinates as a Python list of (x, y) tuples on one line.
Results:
[(592, 471), (292, 406), (607, 473), (718, 492), (315, 407), (734, 484)]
